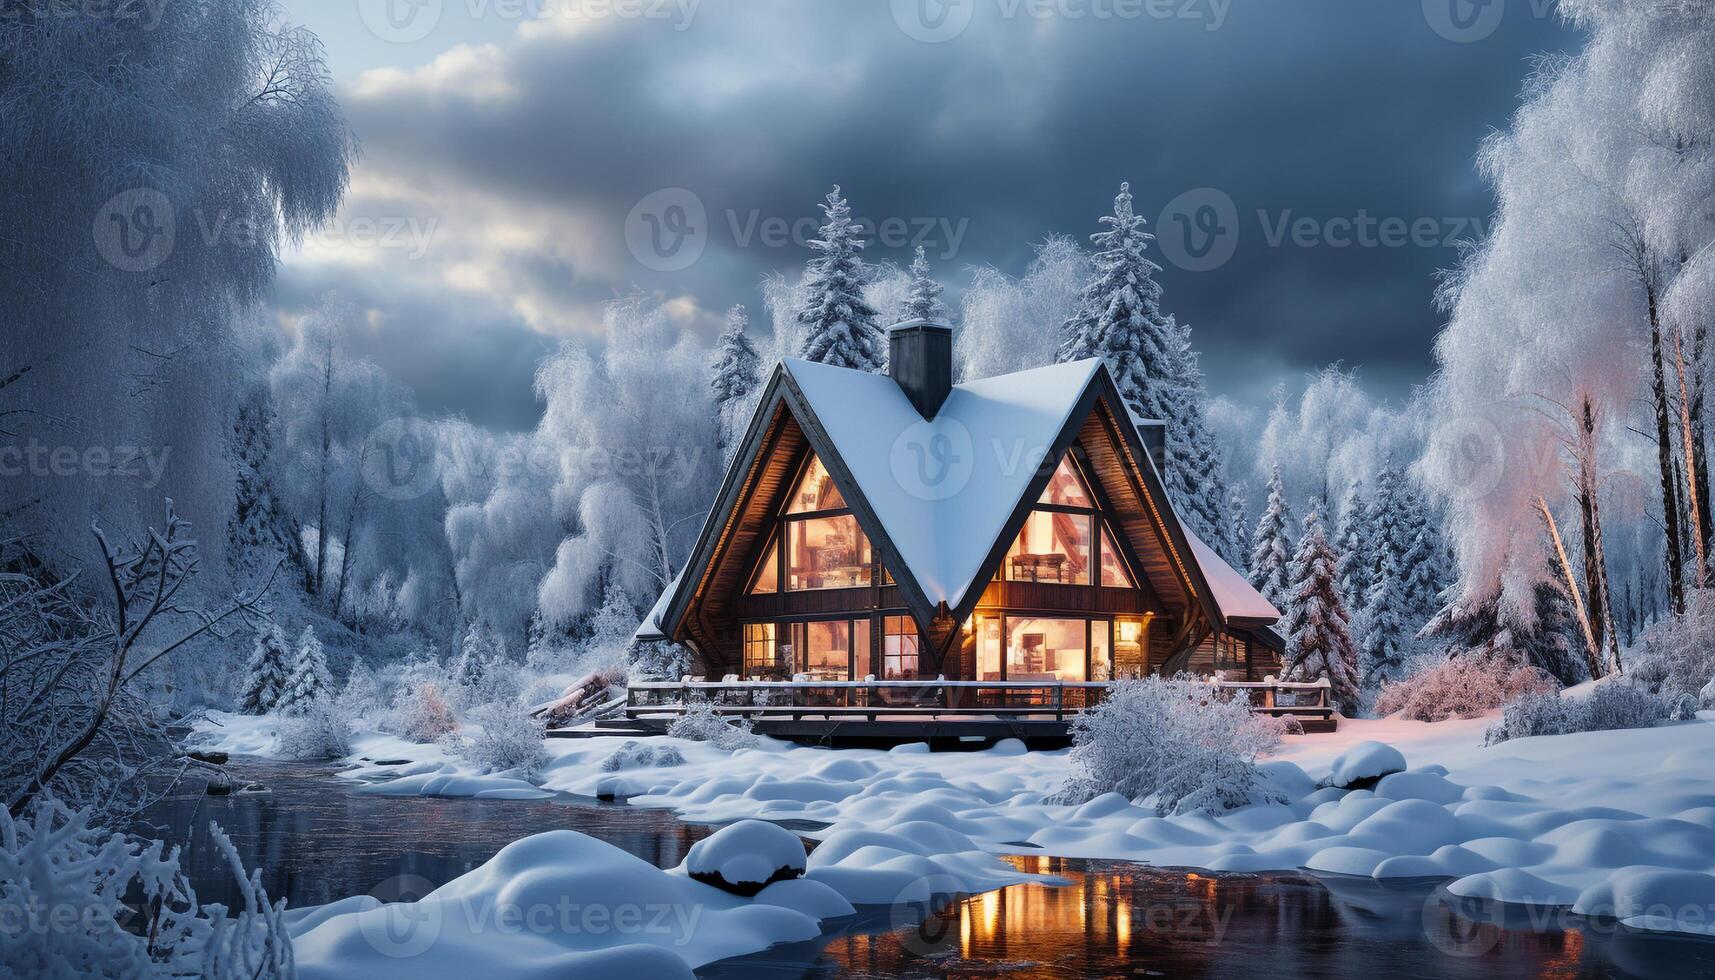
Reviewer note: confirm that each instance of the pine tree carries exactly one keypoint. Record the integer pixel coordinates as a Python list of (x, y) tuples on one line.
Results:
[(1354, 543), (737, 378), (265, 673), (1271, 550), (1424, 567), (477, 654), (259, 531), (310, 681), (615, 622), (924, 301), (1119, 316), (1237, 552), (840, 326), (1195, 484), (1386, 638), (1318, 641)]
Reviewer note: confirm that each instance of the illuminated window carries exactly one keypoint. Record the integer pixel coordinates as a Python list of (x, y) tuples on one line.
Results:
[(900, 649), (767, 580), (988, 649), (1114, 573), (1066, 488), (762, 654), (826, 553), (831, 650), (1052, 547), (1045, 649), (1101, 651), (815, 491)]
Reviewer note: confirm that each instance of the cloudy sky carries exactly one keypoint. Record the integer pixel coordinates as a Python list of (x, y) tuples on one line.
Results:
[(1307, 163)]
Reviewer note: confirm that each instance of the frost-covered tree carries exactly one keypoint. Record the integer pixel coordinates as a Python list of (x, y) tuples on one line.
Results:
[(1119, 316), (1238, 548), (1318, 640), (267, 671), (1271, 547), (737, 381), (1385, 640), (259, 531), (1195, 482), (839, 325), (1354, 543), (479, 652), (220, 118), (1009, 324), (924, 301), (310, 683)]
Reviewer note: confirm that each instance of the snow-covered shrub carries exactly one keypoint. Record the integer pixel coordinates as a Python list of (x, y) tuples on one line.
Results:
[(656, 661), (636, 755), (1610, 706), (1678, 655), (1461, 687), (364, 693), (63, 891), (420, 713), (501, 739), (319, 734), (1174, 745), (702, 723), (1685, 707)]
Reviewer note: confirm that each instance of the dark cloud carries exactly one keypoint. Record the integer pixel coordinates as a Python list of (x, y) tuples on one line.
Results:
[(1017, 128)]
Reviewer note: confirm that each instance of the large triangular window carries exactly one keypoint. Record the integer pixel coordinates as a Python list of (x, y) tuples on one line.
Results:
[(1067, 488), (1058, 544), (766, 579), (815, 491)]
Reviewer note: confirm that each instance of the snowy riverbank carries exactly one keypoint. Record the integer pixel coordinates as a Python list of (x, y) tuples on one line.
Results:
[(1612, 824)]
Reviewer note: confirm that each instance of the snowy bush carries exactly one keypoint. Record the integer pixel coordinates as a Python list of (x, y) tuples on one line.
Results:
[(364, 693), (63, 901), (636, 755), (501, 739), (1678, 654), (1611, 706), (658, 661), (1174, 745), (420, 713), (1461, 687), (319, 734), (702, 723)]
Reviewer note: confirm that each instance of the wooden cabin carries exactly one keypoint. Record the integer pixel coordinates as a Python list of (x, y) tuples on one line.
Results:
[(903, 528)]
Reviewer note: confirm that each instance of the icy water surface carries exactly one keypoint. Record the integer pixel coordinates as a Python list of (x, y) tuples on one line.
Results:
[(318, 842)]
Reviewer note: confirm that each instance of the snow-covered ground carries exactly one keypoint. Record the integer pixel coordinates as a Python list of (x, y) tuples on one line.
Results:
[(1615, 824)]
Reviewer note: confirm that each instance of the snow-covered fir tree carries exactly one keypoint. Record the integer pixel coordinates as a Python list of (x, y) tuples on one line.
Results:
[(1424, 567), (478, 651), (1386, 639), (266, 672), (1354, 545), (924, 301), (259, 531), (1318, 640), (1119, 316), (1271, 546), (1238, 548), (1195, 483), (840, 327), (616, 620), (737, 378), (310, 682)]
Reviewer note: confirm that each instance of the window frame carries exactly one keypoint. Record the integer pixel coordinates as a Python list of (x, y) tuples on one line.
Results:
[(1101, 530)]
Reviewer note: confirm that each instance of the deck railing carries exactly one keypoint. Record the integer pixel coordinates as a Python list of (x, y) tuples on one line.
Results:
[(873, 699)]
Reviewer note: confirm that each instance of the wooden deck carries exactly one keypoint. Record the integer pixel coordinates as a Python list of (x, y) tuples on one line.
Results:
[(941, 712)]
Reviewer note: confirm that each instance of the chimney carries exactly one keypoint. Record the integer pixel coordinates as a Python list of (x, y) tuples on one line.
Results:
[(920, 361)]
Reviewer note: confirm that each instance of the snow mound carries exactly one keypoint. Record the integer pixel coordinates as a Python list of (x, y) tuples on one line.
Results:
[(1366, 761), (746, 857)]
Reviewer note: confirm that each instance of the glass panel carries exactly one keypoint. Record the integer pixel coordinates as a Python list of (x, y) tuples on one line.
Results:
[(1066, 488), (1101, 659), (988, 649), (1114, 573), (1131, 646), (1045, 649), (767, 581), (824, 649), (815, 491), (861, 666), (900, 651), (826, 553), (762, 654), (1051, 548)]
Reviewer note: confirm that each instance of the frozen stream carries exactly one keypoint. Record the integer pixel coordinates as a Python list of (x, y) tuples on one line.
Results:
[(317, 841)]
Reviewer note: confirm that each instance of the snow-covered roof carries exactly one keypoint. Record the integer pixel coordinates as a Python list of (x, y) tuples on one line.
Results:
[(944, 488), (650, 629), (1233, 594)]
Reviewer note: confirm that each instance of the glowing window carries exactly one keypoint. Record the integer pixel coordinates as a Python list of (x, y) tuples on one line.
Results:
[(826, 553), (815, 491), (900, 649), (1052, 547), (1114, 573), (1066, 488), (762, 652), (767, 580)]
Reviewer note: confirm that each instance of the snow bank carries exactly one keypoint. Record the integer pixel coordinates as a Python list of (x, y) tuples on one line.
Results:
[(746, 857)]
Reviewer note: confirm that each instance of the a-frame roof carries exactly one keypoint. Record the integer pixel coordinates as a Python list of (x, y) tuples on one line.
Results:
[(942, 499)]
